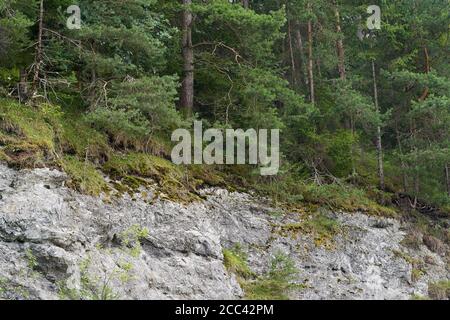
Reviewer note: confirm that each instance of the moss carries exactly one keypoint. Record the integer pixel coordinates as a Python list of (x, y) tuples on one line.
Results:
[(412, 261), (12, 290), (84, 177), (416, 274), (78, 138), (323, 228), (27, 134), (344, 197), (133, 169), (323, 225), (291, 192), (419, 297), (206, 175), (32, 124), (131, 163)]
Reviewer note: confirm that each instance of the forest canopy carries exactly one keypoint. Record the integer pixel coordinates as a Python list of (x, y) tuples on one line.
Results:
[(368, 108)]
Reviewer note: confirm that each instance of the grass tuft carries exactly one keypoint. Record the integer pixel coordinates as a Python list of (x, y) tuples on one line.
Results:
[(84, 177)]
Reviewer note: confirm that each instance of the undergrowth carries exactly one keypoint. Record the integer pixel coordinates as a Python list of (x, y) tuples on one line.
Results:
[(48, 135), (319, 225), (275, 284)]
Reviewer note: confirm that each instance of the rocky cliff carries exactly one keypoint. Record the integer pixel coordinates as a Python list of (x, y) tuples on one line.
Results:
[(57, 243)]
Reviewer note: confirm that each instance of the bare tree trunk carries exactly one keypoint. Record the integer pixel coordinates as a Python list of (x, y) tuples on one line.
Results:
[(38, 57), (416, 184), (379, 142), (402, 162), (447, 177), (187, 88), (245, 3), (300, 47), (310, 59), (339, 43), (416, 179), (291, 53)]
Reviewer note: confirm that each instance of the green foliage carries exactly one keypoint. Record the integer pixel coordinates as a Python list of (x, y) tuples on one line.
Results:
[(339, 148), (273, 285), (344, 196), (27, 134), (322, 225), (32, 261), (276, 283), (235, 261), (15, 21), (84, 177), (124, 126), (124, 71), (91, 287), (140, 108), (175, 183), (80, 139), (416, 274), (131, 239), (319, 225)]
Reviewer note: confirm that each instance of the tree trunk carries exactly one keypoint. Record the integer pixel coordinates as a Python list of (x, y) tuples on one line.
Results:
[(23, 86), (426, 91), (447, 178), (245, 3), (38, 57), (402, 162), (339, 43), (187, 88), (291, 54), (379, 142), (300, 47), (310, 59), (416, 185)]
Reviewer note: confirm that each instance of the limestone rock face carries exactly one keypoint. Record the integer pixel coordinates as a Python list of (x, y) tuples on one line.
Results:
[(57, 243)]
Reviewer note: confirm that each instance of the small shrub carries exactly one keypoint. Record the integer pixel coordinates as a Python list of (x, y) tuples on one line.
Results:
[(439, 290), (235, 261), (91, 288), (276, 283), (416, 274), (131, 239), (31, 259)]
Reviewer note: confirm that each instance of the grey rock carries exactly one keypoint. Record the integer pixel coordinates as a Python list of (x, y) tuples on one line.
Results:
[(54, 240)]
